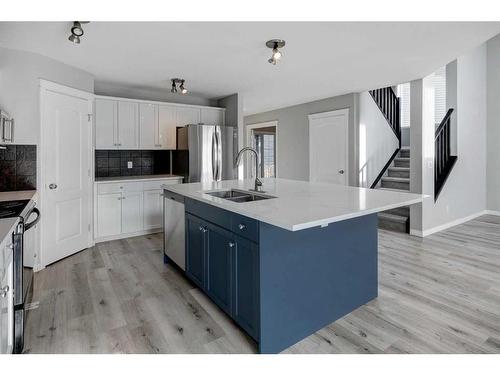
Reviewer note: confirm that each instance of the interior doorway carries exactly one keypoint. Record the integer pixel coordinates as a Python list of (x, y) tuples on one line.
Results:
[(263, 137)]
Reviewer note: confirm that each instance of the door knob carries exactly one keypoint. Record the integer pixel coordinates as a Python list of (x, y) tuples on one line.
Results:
[(53, 186), (4, 291), (341, 171)]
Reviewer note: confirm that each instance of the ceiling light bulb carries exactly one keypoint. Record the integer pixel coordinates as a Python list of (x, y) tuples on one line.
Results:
[(183, 89), (77, 29), (74, 38), (276, 54)]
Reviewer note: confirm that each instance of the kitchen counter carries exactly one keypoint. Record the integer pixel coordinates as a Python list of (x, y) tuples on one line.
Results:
[(285, 267), (299, 204), (137, 178), (17, 195)]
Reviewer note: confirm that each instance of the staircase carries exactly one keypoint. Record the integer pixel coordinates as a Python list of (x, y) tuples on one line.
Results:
[(397, 178)]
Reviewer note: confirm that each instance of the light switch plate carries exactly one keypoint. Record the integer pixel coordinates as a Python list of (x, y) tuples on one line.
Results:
[(129, 165)]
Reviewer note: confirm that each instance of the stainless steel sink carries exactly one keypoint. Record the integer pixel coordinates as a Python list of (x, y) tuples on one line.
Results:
[(239, 196)]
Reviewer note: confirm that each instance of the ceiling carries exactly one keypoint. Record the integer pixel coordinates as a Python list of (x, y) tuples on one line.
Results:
[(320, 59)]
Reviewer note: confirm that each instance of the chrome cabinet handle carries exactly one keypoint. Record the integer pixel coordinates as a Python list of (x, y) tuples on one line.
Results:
[(203, 229), (242, 226), (231, 244), (4, 291), (53, 186)]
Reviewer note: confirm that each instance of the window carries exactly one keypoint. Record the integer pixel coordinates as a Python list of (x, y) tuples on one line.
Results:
[(263, 138)]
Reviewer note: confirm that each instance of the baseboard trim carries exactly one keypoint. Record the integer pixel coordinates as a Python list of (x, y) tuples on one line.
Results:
[(453, 223), (492, 212), (128, 235)]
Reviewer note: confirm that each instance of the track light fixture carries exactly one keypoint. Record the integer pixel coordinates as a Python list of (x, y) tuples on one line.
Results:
[(180, 82), (76, 32), (274, 44)]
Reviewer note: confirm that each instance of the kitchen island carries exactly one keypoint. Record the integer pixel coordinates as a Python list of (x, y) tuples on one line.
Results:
[(286, 263)]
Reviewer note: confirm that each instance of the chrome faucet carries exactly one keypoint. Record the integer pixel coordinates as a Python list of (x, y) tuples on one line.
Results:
[(258, 183)]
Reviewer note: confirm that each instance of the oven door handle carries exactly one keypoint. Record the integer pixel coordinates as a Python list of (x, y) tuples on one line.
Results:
[(27, 226)]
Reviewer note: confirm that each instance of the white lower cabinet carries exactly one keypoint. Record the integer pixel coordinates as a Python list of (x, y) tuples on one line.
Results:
[(132, 214), (153, 206), (109, 214), (129, 208)]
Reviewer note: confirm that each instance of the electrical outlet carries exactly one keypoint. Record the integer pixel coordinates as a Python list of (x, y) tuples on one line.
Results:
[(129, 165)]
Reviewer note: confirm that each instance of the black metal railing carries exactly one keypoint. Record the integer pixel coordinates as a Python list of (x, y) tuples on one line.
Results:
[(443, 160), (388, 103)]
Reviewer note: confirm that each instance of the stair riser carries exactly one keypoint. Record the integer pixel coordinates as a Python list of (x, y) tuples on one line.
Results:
[(404, 153), (396, 185), (402, 163), (404, 174), (400, 211), (392, 225)]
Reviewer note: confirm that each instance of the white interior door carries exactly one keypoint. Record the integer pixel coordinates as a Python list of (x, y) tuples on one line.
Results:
[(66, 170), (328, 146)]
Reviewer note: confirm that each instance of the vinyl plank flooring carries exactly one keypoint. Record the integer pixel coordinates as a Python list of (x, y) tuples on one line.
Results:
[(439, 294)]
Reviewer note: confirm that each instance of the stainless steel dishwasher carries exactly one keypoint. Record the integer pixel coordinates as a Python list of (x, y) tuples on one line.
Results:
[(174, 247)]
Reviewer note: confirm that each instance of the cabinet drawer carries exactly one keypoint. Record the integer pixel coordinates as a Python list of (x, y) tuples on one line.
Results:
[(209, 213), (245, 227), (118, 187), (156, 184)]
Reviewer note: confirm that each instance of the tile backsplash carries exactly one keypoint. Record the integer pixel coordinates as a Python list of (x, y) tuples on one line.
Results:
[(18, 168), (112, 163)]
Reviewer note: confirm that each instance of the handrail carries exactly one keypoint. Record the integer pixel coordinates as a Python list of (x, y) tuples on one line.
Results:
[(444, 161), (386, 166), (443, 122)]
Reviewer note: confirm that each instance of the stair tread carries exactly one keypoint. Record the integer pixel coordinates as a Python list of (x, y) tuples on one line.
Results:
[(396, 179), (400, 169), (402, 158), (392, 217), (396, 190)]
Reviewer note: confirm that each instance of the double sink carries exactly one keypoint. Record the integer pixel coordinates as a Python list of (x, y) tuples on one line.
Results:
[(239, 196)]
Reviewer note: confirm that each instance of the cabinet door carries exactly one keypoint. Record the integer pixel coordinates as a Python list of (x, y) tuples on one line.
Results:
[(7, 307), (109, 213), (167, 127), (148, 126), (220, 246), (153, 206), (195, 249), (187, 115), (246, 286), (212, 116), (128, 125), (132, 214), (106, 136)]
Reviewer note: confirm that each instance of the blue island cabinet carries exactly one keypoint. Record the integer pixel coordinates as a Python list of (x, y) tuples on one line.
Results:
[(280, 286), (225, 266)]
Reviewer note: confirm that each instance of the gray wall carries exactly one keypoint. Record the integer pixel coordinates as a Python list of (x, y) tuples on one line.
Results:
[(19, 88), (231, 104), (293, 134), (493, 118), (143, 93)]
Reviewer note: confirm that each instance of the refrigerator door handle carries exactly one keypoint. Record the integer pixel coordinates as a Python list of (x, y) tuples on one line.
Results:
[(217, 139), (214, 146)]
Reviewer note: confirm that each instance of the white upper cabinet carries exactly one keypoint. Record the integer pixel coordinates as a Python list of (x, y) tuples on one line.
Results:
[(128, 125), (212, 116), (106, 124), (167, 122), (188, 115), (148, 124)]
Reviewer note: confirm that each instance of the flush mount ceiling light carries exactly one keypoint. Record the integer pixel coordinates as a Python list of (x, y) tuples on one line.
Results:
[(76, 32), (274, 44), (180, 82)]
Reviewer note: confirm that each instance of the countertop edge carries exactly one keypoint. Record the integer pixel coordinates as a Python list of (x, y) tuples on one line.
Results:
[(136, 178), (301, 226)]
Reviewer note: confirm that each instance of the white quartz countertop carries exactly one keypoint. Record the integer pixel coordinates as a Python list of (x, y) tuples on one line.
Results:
[(137, 178), (299, 204), (17, 195)]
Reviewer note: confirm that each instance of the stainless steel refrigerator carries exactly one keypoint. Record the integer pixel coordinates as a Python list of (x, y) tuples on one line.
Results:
[(211, 152)]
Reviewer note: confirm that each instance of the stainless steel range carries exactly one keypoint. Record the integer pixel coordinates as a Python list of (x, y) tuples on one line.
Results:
[(23, 271)]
